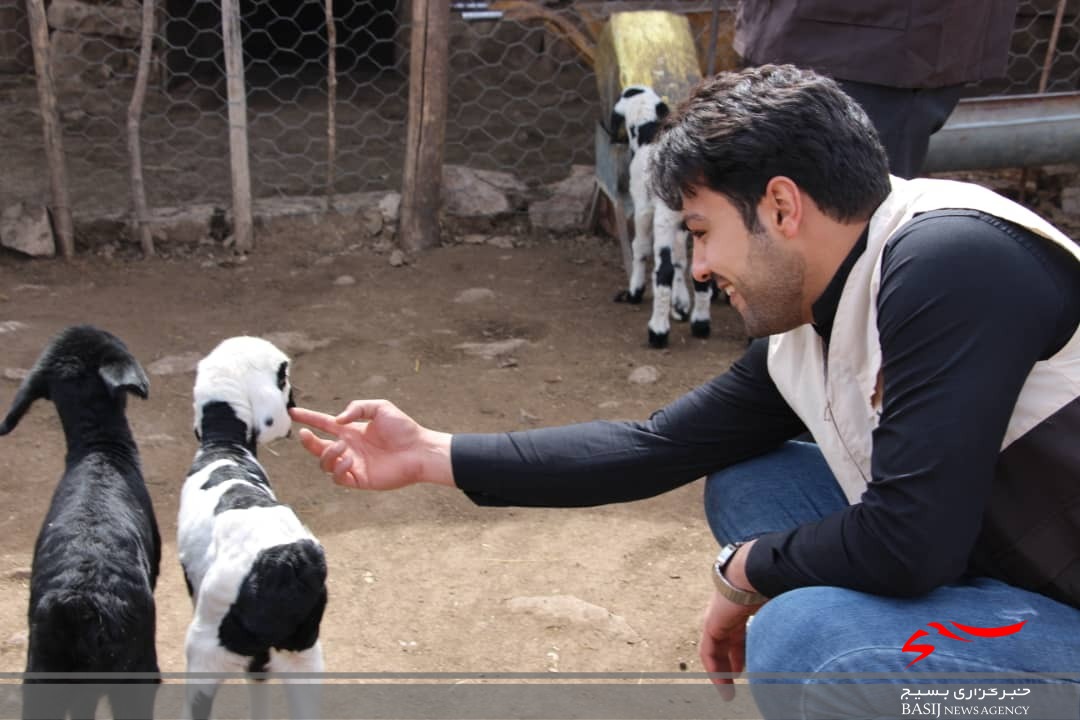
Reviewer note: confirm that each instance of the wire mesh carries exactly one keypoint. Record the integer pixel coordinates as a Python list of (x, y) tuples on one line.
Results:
[(522, 98)]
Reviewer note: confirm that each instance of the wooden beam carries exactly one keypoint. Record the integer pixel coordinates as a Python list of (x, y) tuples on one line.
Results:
[(421, 195), (50, 121), (238, 128), (331, 102), (141, 225)]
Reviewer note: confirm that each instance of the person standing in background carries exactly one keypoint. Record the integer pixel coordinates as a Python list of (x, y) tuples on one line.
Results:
[(905, 63)]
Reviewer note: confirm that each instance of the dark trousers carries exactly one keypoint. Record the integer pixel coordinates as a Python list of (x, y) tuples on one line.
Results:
[(905, 118)]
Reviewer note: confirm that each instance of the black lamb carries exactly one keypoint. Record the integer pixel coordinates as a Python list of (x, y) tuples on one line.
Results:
[(97, 556)]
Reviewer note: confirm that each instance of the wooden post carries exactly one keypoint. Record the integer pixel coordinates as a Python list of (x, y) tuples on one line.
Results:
[(714, 31), (54, 145), (331, 101), (134, 118), (238, 130), (421, 194)]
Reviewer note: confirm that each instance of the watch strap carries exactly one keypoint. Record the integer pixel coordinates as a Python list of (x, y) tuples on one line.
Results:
[(724, 587)]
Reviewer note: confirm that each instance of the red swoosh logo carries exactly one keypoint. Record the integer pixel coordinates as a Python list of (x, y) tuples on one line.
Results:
[(925, 650)]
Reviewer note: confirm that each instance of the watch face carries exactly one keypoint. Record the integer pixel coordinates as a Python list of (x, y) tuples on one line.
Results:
[(725, 555)]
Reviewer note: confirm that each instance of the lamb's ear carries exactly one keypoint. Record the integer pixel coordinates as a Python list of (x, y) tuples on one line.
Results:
[(33, 388), (125, 375), (662, 110), (617, 128), (282, 374)]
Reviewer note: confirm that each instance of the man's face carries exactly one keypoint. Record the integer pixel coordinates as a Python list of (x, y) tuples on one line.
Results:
[(760, 272)]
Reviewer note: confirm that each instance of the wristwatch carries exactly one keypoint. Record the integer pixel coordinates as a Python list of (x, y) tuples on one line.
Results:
[(725, 588)]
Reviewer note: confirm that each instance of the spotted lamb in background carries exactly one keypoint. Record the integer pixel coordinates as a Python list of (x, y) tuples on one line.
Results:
[(658, 230), (257, 576)]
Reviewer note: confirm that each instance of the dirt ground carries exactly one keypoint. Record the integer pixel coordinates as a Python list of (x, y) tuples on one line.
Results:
[(420, 579)]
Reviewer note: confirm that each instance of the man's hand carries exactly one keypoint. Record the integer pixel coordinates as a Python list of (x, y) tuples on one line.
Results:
[(378, 447), (723, 641)]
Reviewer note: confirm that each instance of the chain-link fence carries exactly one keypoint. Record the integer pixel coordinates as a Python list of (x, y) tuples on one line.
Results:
[(522, 97)]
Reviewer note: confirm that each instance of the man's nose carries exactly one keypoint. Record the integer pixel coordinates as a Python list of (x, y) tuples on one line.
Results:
[(698, 267)]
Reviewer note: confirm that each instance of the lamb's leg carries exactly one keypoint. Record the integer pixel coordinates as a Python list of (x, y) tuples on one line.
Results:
[(82, 700), (259, 692), (303, 694), (700, 318), (133, 701), (641, 247), (205, 655), (48, 701), (660, 322), (680, 294)]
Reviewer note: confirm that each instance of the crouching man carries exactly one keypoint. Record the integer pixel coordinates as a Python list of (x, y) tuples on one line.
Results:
[(924, 332)]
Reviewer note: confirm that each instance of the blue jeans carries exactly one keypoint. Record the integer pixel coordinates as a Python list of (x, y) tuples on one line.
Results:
[(836, 630)]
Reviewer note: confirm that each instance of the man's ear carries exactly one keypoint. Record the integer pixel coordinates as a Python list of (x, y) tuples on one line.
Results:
[(782, 206)]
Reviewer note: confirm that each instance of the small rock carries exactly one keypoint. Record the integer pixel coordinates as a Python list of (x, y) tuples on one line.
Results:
[(29, 287), (390, 206), (474, 239), (323, 261), (570, 610), (296, 343), (372, 223), (644, 375), (15, 374), (27, 229), (508, 363), (375, 381), (397, 258), (175, 364), (528, 417), (18, 639), (476, 294), (1070, 200), (491, 350), (10, 326), (608, 404), (343, 280), (20, 574), (501, 241)]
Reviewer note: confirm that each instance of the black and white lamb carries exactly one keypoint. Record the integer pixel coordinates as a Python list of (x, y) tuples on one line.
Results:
[(658, 230), (257, 576), (97, 556)]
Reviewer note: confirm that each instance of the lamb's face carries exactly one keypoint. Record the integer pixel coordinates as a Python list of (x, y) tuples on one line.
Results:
[(640, 110), (252, 376)]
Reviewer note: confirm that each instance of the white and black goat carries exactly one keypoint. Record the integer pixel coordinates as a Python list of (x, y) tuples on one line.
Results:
[(658, 230), (257, 576), (97, 556)]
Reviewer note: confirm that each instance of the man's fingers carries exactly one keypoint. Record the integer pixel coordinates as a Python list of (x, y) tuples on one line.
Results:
[(711, 659), (317, 420), (330, 456), (362, 410), (342, 468), (313, 443)]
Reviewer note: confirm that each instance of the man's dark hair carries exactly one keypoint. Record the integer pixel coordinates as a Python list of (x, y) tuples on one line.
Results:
[(739, 130)]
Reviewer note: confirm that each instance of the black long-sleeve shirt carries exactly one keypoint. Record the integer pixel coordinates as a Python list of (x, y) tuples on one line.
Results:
[(968, 304)]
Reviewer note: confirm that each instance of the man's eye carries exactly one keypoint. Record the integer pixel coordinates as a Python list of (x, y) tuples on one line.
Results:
[(697, 234)]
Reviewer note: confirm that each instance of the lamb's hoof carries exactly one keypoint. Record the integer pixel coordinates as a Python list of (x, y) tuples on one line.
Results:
[(680, 314), (658, 340), (700, 328), (634, 298)]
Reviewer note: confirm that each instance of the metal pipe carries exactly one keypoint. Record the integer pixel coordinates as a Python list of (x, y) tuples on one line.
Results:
[(1008, 131)]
